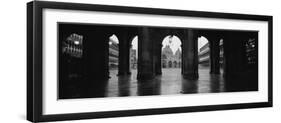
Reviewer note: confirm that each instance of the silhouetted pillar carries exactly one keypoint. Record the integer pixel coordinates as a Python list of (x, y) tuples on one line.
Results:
[(145, 60), (237, 75), (214, 42), (95, 64), (106, 58), (130, 67), (190, 54), (233, 51), (124, 55), (158, 62), (182, 60)]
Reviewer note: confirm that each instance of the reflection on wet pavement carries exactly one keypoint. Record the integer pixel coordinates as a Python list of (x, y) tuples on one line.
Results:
[(170, 82)]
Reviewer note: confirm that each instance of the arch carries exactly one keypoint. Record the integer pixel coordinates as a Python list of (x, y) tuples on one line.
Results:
[(176, 41), (113, 54), (170, 64), (175, 64), (114, 38), (209, 55), (173, 42), (164, 64), (164, 56), (203, 51), (170, 32), (202, 40), (134, 42), (171, 51), (133, 52)]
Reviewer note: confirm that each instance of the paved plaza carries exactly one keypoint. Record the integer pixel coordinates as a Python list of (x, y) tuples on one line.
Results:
[(170, 82)]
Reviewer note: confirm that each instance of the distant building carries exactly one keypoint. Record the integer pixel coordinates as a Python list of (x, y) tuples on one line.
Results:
[(251, 52), (204, 54), (170, 59), (71, 57), (133, 59), (73, 46), (113, 54)]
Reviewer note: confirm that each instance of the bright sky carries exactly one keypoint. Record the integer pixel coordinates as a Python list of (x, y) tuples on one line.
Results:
[(175, 43), (114, 38), (135, 45), (201, 42), (135, 42)]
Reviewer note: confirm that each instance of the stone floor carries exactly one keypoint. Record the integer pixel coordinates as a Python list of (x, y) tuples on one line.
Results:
[(170, 82)]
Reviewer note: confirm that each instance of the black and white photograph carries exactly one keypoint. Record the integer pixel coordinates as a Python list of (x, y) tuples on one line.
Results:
[(107, 60), (87, 61)]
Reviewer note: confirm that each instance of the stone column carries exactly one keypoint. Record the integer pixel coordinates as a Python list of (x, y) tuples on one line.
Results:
[(124, 55), (145, 60), (158, 62), (96, 63), (233, 48), (214, 41), (182, 60), (127, 67), (129, 70), (106, 58), (190, 54), (237, 75)]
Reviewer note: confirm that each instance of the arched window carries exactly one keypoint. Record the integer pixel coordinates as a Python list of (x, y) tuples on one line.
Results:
[(170, 64)]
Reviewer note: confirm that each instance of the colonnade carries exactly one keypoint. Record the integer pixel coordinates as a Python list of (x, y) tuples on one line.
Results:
[(150, 46), (94, 68)]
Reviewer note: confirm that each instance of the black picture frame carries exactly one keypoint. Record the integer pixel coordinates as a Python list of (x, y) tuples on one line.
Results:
[(34, 60)]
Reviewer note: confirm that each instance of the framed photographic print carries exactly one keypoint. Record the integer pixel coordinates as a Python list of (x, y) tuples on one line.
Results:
[(94, 61)]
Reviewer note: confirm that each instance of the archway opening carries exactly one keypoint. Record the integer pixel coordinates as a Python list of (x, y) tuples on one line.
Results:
[(113, 55), (134, 57), (204, 54), (222, 59), (171, 54), (210, 64), (204, 58)]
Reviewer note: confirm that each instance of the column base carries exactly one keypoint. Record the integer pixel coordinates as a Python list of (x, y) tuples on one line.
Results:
[(121, 73), (190, 76), (214, 72), (145, 76), (159, 73)]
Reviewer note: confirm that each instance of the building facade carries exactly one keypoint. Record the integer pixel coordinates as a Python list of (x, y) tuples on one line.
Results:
[(133, 59), (251, 52), (113, 54), (204, 54), (170, 59)]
